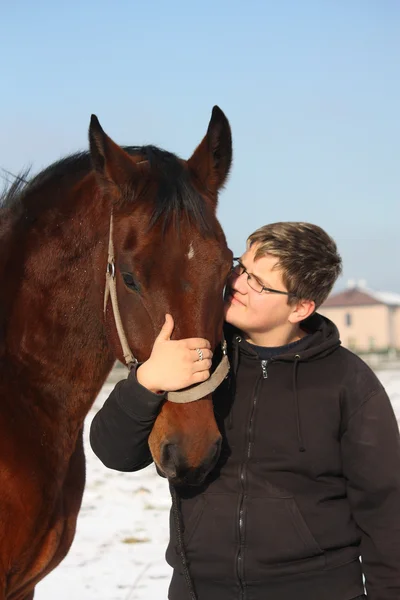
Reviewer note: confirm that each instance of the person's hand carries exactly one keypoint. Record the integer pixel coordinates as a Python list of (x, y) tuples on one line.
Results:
[(175, 364)]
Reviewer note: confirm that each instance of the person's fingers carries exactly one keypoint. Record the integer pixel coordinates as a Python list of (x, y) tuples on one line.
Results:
[(166, 329), (193, 343), (202, 365), (194, 354), (200, 376)]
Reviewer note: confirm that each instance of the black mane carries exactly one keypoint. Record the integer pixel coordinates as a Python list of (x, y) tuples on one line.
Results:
[(176, 194)]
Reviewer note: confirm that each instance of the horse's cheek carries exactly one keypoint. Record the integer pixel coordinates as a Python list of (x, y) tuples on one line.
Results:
[(157, 435)]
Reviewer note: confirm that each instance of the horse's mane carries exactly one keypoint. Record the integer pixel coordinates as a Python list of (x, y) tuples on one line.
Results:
[(176, 194)]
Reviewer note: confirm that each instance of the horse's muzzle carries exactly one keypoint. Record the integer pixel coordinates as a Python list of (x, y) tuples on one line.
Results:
[(175, 467)]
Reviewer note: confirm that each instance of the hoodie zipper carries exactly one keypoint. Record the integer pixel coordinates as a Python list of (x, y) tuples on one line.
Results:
[(264, 364), (243, 497)]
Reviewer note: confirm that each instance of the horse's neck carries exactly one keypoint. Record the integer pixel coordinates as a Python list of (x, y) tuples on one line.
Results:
[(55, 335)]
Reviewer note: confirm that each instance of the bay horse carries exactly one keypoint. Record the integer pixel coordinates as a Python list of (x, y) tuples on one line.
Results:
[(57, 344)]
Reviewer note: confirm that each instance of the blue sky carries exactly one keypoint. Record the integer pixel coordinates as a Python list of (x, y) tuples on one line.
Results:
[(311, 89)]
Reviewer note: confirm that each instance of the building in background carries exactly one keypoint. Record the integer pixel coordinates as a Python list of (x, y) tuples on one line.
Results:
[(368, 321)]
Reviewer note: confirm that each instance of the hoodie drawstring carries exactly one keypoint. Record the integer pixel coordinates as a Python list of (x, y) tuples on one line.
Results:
[(296, 404)]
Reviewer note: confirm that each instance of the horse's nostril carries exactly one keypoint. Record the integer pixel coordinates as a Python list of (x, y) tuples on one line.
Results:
[(170, 457), (165, 452), (215, 451), (176, 467)]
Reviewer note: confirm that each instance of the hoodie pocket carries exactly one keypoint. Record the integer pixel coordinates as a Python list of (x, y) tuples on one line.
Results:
[(210, 536), (277, 534), (193, 520)]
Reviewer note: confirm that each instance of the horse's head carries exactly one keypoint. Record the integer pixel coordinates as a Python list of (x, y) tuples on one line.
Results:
[(171, 257)]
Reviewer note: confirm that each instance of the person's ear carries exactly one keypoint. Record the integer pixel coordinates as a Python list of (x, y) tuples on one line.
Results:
[(301, 311)]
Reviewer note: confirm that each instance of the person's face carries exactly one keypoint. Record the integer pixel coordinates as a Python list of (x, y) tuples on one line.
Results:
[(252, 312)]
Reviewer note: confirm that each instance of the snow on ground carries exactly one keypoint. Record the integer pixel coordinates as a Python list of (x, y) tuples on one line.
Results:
[(122, 532)]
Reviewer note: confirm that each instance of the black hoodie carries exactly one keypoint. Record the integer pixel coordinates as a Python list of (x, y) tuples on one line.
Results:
[(307, 482)]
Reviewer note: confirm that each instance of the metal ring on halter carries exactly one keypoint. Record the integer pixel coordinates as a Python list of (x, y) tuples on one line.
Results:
[(111, 269), (200, 353)]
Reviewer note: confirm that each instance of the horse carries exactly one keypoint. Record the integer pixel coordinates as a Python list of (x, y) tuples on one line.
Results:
[(58, 333)]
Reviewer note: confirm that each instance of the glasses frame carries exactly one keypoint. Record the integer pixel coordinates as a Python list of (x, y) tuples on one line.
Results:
[(251, 276)]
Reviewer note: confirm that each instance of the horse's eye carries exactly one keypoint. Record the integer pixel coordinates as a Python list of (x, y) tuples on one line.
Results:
[(130, 282)]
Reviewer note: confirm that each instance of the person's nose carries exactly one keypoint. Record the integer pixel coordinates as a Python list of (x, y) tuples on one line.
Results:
[(239, 283)]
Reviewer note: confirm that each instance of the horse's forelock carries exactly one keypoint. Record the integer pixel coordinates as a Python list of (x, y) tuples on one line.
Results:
[(176, 195)]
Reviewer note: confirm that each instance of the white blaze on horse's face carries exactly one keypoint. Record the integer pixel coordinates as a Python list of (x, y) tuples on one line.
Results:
[(190, 254)]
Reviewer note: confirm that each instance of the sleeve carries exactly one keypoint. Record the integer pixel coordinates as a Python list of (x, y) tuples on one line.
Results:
[(120, 430), (371, 465)]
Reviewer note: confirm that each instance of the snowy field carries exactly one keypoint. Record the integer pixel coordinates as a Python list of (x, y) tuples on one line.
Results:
[(122, 533)]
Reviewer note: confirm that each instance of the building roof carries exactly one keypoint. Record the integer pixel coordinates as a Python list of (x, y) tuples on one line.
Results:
[(357, 296)]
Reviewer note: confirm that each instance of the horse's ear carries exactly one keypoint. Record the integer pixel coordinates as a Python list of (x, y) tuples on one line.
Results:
[(110, 162), (212, 159)]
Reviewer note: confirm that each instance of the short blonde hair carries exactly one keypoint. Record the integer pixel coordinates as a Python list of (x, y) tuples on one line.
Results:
[(307, 255)]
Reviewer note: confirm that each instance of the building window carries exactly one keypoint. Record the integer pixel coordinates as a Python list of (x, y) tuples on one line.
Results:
[(348, 319)]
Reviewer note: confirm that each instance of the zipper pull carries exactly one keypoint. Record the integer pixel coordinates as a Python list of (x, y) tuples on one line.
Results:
[(264, 364)]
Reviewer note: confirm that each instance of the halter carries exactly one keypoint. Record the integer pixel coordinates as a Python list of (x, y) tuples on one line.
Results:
[(184, 396)]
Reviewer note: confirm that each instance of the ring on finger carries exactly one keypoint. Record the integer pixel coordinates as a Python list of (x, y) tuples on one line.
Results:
[(200, 353)]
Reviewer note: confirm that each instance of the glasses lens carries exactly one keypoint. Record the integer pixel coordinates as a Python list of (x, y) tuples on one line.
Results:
[(239, 269), (254, 284)]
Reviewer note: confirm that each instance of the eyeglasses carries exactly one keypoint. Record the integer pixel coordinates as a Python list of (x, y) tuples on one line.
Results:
[(238, 269)]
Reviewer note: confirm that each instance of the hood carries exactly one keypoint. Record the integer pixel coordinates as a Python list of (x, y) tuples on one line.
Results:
[(322, 339)]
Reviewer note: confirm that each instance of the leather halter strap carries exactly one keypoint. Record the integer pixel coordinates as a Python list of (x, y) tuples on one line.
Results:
[(183, 396), (111, 290)]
